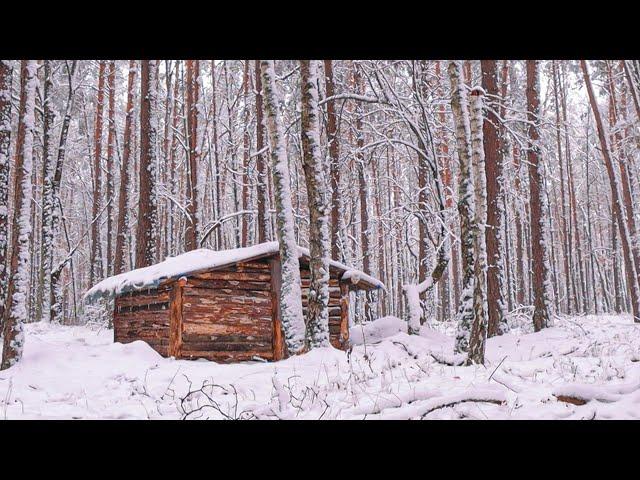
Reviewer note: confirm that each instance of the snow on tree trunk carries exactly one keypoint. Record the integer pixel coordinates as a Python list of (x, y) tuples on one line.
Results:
[(291, 294), (261, 174), (318, 198), (43, 307), (19, 268), (466, 207), (111, 148), (147, 203), (493, 151), (539, 260), (193, 98), (5, 145), (96, 261), (122, 222), (333, 150), (479, 327)]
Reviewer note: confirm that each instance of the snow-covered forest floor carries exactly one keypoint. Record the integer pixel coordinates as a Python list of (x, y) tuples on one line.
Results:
[(79, 373)]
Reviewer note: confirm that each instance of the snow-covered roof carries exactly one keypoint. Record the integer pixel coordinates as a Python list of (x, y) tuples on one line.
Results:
[(204, 259)]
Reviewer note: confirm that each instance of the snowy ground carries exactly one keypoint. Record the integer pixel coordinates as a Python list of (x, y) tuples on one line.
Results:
[(79, 373)]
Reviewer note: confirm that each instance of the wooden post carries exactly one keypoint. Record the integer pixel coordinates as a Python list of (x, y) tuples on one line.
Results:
[(175, 318), (279, 347), (344, 315)]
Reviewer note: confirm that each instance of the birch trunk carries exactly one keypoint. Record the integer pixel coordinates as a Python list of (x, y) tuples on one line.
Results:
[(318, 199), (466, 207), (291, 295)]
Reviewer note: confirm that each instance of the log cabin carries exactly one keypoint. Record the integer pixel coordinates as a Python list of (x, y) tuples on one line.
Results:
[(220, 305)]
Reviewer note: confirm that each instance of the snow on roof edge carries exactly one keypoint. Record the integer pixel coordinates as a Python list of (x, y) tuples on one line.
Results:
[(204, 259)]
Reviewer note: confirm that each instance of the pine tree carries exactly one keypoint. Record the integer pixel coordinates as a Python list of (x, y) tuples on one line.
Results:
[(291, 294), (15, 314), (122, 223), (95, 271), (5, 145), (318, 200), (493, 153), (193, 99), (111, 147), (539, 264), (43, 307), (333, 148), (147, 203), (261, 167)]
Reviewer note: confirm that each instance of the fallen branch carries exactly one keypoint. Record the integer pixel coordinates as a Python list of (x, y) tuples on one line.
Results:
[(478, 395), (456, 360)]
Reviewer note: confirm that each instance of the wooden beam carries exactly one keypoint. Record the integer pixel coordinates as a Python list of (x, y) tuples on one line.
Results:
[(279, 348), (344, 315), (175, 315)]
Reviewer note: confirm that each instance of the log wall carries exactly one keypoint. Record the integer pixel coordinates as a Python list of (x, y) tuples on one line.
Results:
[(143, 315), (225, 315)]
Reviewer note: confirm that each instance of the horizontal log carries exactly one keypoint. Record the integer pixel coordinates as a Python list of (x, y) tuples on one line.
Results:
[(144, 334), (305, 273), (217, 311), (251, 266), (149, 341), (143, 330), (151, 307), (144, 291), (160, 317), (220, 313), (231, 285), (256, 347), (210, 297), (238, 276), (259, 329), (156, 297), (233, 338), (225, 357)]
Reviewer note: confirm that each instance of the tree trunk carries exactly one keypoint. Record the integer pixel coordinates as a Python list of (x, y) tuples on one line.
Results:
[(5, 147), (493, 153), (111, 147), (478, 336), (540, 268), (43, 305), (219, 177), (334, 162), (318, 200), (466, 207), (147, 203), (244, 239), (290, 294), (119, 264), (15, 314), (95, 273), (193, 98), (630, 271), (261, 187)]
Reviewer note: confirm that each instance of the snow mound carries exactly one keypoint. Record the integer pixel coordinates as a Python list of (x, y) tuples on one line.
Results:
[(139, 350), (377, 330)]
